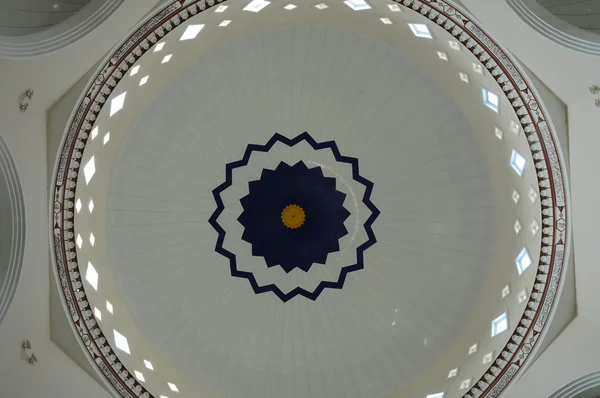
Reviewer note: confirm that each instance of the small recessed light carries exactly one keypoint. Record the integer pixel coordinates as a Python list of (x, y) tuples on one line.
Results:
[(91, 275), (191, 32), (533, 195), (535, 227), (436, 395), (92, 238), (505, 291), (394, 7), (515, 127), (516, 196), (221, 8), (166, 59), (139, 375), (442, 55), (386, 21), (144, 80), (517, 226), (394, 323), (91, 205), (522, 296), (97, 314), (523, 261), (491, 100), (89, 170), (464, 77), (117, 103), (420, 30), (498, 133), (499, 324), (357, 5), (148, 364), (453, 373), (256, 5), (121, 342), (163, 396), (454, 45), (78, 205), (79, 241), (487, 358), (134, 70), (225, 22), (517, 162), (290, 7), (321, 6), (56, 6), (478, 68), (94, 132), (159, 47), (473, 349), (106, 138), (465, 384), (173, 387), (109, 306)]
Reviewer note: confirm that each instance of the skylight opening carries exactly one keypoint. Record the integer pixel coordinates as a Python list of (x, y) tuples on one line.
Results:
[(91, 275), (91, 205), (256, 5), (499, 324), (94, 132), (221, 8), (173, 387), (78, 205), (144, 80), (89, 169), (148, 364), (139, 375), (321, 6), (386, 21), (134, 70), (442, 55), (473, 349), (491, 100), (97, 314), (106, 138), (225, 22), (79, 241), (454, 45), (117, 103), (121, 342), (464, 77), (505, 291), (109, 306), (394, 8), (465, 384), (436, 395), (191, 32), (159, 46), (487, 358), (357, 5), (290, 7), (498, 133), (420, 30), (92, 239), (517, 162), (523, 261), (166, 59), (453, 373)]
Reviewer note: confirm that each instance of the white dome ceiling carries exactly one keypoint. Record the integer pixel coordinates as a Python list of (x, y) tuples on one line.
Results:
[(434, 237)]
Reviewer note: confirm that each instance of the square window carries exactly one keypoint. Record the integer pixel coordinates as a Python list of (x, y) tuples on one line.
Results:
[(290, 7), (394, 7), (91, 205), (78, 205), (91, 275), (134, 70), (144, 80), (148, 364), (173, 387), (516, 196), (117, 103), (109, 307), (79, 241), (436, 395), (498, 133), (94, 132), (518, 227), (139, 376), (321, 6), (191, 32), (465, 384), (256, 5), (499, 324), (523, 261), (225, 22), (491, 100), (517, 162), (420, 30), (89, 170), (453, 373), (97, 314), (386, 21), (92, 239), (464, 77), (159, 47), (357, 5), (166, 59), (473, 349), (505, 291), (487, 358), (121, 342), (454, 45), (522, 296), (221, 8), (442, 55), (106, 138)]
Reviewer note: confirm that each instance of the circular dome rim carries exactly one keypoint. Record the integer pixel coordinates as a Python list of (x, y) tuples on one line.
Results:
[(499, 64)]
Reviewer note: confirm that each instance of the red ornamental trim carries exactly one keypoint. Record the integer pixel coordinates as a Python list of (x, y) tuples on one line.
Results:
[(554, 203)]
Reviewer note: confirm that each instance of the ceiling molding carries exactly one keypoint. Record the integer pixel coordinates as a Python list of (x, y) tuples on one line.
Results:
[(553, 187)]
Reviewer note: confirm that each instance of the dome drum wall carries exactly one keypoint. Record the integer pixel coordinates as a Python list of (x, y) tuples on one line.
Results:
[(554, 238)]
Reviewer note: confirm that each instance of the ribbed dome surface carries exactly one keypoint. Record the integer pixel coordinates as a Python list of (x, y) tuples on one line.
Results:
[(421, 279)]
